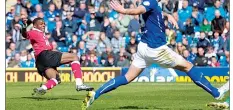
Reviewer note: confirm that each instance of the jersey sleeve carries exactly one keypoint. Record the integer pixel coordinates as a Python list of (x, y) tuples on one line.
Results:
[(149, 4)]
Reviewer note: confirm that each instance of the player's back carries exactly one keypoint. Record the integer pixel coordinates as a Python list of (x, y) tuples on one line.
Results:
[(39, 41), (154, 31)]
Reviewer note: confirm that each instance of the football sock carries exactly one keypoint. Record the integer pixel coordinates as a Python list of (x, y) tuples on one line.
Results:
[(200, 80), (111, 85), (50, 84), (77, 72)]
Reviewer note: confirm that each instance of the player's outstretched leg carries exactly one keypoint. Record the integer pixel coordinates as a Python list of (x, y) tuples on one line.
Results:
[(53, 79), (76, 69), (111, 85), (199, 79)]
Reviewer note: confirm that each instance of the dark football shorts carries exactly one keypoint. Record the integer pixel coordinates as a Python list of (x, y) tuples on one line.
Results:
[(48, 59)]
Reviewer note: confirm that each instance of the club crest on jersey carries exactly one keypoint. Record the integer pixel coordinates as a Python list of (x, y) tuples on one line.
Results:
[(146, 3)]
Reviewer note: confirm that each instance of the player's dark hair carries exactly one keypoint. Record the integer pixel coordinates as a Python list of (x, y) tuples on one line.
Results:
[(36, 20)]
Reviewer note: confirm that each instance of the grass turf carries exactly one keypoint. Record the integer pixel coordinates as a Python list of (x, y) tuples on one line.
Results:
[(135, 96)]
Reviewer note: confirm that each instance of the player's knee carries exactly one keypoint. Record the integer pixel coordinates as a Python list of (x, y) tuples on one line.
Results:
[(185, 66), (75, 57)]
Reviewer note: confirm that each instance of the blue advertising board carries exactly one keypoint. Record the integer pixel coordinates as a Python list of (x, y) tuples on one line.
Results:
[(155, 73)]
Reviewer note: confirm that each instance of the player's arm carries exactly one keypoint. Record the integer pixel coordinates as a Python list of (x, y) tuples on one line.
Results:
[(119, 8), (24, 32), (171, 19), (24, 28)]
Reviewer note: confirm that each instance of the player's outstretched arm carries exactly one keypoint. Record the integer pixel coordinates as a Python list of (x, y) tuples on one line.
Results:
[(119, 8)]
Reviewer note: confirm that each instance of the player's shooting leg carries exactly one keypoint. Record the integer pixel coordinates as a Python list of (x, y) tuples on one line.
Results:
[(76, 69), (132, 73), (52, 75), (197, 77), (53, 78)]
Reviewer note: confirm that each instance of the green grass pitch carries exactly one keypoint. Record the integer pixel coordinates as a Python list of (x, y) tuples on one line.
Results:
[(135, 96)]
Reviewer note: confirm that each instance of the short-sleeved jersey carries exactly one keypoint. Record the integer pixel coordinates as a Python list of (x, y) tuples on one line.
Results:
[(154, 30), (39, 41)]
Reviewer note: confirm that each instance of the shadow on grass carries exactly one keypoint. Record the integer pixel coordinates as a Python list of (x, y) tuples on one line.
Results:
[(50, 98), (137, 107)]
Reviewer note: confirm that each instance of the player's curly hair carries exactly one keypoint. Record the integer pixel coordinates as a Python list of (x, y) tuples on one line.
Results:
[(36, 20)]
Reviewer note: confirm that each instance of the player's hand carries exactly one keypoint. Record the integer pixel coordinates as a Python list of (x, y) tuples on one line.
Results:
[(172, 20), (117, 7)]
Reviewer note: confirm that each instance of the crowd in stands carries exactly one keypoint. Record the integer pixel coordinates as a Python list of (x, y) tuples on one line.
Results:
[(101, 37)]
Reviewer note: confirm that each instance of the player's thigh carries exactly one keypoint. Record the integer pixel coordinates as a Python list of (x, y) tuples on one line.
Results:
[(68, 58), (49, 58), (136, 67), (166, 57)]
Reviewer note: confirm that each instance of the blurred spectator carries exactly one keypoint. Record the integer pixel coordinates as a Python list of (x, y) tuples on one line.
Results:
[(81, 48), (74, 42), (110, 62), (29, 63), (134, 25), (50, 15), (201, 60), (58, 4), (185, 43), (205, 27), (203, 41), (94, 24), (186, 12), (189, 27), (79, 12), (12, 47), (172, 44), (83, 60), (106, 54), (15, 61), (214, 62), (217, 42), (58, 34), (69, 24), (210, 53), (23, 55), (168, 6), (218, 22), (34, 14), (122, 23), (92, 62), (123, 61), (198, 3), (91, 39), (193, 54), (45, 5), (132, 44), (179, 48), (103, 43), (117, 42), (187, 56)]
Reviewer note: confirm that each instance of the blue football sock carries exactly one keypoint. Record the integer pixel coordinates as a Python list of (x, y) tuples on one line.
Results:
[(199, 79), (111, 85)]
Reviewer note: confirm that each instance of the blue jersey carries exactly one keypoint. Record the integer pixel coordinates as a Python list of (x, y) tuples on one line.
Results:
[(154, 30)]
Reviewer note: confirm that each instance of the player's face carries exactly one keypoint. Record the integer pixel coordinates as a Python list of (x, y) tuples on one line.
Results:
[(40, 25)]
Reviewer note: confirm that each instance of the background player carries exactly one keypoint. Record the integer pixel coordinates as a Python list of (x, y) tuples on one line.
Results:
[(47, 60), (152, 49)]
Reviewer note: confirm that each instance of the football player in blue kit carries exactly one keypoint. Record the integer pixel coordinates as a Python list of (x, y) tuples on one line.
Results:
[(152, 49)]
